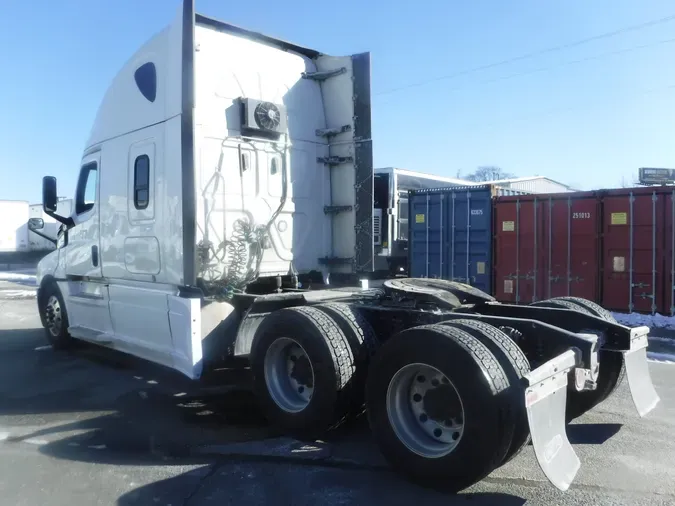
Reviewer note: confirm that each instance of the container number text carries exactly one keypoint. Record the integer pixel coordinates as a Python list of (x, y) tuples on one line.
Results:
[(581, 216)]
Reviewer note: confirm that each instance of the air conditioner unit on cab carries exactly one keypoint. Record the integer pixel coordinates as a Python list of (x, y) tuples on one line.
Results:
[(262, 118)]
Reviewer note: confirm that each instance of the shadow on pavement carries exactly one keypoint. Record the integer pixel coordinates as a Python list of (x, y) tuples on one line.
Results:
[(255, 483), (592, 433)]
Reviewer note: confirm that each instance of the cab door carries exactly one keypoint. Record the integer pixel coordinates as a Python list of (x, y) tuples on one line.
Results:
[(88, 309)]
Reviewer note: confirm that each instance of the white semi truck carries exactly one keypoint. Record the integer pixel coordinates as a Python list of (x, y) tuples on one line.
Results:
[(226, 186)]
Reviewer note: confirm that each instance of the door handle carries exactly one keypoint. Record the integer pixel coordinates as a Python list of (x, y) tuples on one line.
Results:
[(94, 255)]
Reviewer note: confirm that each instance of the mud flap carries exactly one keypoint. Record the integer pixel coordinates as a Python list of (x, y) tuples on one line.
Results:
[(642, 389), (545, 401)]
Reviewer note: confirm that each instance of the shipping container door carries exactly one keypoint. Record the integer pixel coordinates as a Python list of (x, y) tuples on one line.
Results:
[(633, 240), (517, 251), (572, 239), (426, 231), (451, 236), (468, 237)]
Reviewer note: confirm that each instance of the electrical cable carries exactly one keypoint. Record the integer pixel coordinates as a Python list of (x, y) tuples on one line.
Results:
[(563, 64), (533, 54)]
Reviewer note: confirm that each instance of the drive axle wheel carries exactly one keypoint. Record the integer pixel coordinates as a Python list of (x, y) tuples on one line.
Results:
[(302, 369), (363, 342), (515, 365), (425, 410), (433, 398), (289, 375), (612, 367)]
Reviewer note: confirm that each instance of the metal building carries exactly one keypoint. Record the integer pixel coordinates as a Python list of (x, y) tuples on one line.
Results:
[(534, 184)]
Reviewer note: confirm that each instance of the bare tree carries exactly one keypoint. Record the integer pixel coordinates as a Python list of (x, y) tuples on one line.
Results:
[(488, 173), (629, 182)]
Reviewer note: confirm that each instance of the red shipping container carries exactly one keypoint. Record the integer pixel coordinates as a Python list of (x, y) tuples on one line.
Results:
[(634, 238), (546, 246), (669, 268)]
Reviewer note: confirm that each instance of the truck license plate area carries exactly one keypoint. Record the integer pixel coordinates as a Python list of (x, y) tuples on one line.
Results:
[(642, 389), (545, 400)]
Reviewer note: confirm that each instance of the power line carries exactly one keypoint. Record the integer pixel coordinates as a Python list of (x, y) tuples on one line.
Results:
[(526, 56), (563, 64)]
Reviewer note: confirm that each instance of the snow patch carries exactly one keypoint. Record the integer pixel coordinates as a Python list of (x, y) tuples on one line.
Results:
[(16, 276), (664, 358), (18, 294), (650, 320), (36, 441)]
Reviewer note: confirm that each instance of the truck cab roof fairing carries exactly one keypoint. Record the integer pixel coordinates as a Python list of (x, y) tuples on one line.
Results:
[(258, 37), (124, 108)]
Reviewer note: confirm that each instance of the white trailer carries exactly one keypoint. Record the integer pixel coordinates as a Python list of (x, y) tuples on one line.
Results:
[(44, 239), (390, 213), (226, 168), (14, 226)]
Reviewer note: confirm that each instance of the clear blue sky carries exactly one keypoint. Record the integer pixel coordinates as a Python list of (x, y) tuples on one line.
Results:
[(590, 123)]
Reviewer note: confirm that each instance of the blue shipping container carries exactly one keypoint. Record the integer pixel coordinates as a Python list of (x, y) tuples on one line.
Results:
[(450, 234)]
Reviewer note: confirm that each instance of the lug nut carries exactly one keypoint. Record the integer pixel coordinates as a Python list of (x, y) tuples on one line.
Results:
[(421, 379), (438, 432), (417, 397), (423, 417)]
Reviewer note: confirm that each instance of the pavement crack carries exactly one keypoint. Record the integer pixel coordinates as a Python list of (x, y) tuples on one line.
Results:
[(200, 483)]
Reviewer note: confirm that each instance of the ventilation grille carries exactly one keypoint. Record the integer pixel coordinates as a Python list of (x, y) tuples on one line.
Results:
[(262, 118), (377, 227)]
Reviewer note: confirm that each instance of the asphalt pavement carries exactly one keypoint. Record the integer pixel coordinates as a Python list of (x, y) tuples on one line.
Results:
[(94, 427)]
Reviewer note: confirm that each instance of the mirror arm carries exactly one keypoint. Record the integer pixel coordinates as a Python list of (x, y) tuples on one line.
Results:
[(45, 236), (68, 222)]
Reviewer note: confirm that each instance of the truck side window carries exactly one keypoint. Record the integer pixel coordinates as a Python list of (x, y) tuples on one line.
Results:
[(142, 182), (86, 188)]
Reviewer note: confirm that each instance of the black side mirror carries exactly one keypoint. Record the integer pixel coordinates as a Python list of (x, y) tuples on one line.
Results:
[(49, 199), (36, 224)]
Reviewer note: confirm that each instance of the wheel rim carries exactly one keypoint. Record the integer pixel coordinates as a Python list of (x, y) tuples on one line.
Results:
[(425, 410), (289, 375), (53, 316)]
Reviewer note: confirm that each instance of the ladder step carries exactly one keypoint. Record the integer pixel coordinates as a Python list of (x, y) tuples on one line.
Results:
[(336, 260), (336, 209), (334, 160), (322, 76), (328, 132)]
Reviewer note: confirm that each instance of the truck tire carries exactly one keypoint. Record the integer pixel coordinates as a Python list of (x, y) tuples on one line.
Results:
[(355, 326), (363, 343), (54, 317), (612, 367), (302, 368), (434, 407), (592, 307), (515, 365)]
